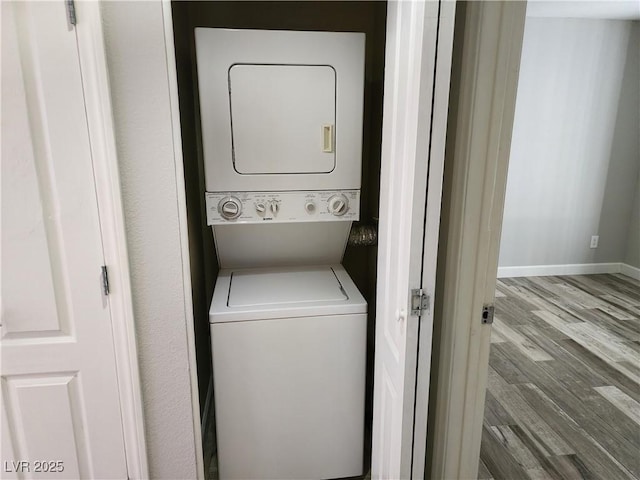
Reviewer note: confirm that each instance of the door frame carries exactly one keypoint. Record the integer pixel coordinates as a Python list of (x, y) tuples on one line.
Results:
[(97, 96), (181, 192), (479, 140)]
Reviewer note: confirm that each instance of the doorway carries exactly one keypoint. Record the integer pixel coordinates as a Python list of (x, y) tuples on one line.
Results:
[(412, 168), (361, 253), (562, 394)]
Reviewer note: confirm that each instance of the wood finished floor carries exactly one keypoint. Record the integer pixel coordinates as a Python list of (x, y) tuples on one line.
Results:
[(564, 380)]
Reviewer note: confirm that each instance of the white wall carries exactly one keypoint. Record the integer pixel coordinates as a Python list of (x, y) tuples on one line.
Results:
[(574, 155), (138, 74)]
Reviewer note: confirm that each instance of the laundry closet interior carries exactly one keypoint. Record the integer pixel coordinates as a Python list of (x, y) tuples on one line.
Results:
[(256, 231)]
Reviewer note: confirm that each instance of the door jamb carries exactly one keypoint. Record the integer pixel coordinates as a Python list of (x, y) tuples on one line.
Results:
[(97, 96), (472, 218), (176, 128)]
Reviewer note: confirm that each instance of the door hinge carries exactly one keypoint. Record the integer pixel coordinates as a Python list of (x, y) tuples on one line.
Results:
[(71, 11), (419, 301), (105, 279), (487, 314)]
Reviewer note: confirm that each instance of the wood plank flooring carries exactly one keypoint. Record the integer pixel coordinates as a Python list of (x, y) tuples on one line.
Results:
[(563, 395)]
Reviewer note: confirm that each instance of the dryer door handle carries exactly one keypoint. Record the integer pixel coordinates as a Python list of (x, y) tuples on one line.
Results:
[(327, 138)]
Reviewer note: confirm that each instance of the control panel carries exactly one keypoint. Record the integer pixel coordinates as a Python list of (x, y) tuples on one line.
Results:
[(282, 207)]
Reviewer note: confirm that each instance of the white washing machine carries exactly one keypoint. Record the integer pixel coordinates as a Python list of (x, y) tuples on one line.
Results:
[(288, 339), (289, 349), (281, 116)]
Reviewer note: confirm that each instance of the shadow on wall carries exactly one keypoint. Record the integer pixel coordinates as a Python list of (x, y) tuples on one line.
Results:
[(618, 226)]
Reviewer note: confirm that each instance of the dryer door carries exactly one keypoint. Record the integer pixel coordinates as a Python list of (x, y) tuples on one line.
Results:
[(282, 118), (280, 110)]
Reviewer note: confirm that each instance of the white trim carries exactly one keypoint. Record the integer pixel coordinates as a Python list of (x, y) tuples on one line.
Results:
[(630, 271), (569, 269), (172, 83), (95, 80), (477, 162)]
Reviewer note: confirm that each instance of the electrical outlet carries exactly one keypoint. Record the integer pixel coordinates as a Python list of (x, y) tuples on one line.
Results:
[(594, 241)]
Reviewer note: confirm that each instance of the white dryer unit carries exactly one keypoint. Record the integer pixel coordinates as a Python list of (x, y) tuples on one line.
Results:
[(289, 373), (280, 110)]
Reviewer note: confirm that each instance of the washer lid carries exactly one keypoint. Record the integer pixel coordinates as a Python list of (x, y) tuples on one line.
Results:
[(308, 285), (284, 292)]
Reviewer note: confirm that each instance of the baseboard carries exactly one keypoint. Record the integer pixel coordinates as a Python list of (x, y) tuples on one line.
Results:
[(207, 409), (630, 271), (569, 269)]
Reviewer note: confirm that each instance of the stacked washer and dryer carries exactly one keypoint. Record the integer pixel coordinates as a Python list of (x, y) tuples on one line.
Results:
[(281, 115)]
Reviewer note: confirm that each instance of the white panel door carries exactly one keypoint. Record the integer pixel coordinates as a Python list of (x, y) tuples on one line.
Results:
[(410, 191), (60, 402)]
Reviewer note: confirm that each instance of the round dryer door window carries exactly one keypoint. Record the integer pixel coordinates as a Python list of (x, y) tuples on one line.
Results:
[(282, 118)]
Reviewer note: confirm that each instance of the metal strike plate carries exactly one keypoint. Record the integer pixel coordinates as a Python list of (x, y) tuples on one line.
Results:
[(487, 314)]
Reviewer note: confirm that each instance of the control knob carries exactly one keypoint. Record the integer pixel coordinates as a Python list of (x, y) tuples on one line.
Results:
[(261, 208), (310, 207), (338, 205), (230, 208)]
